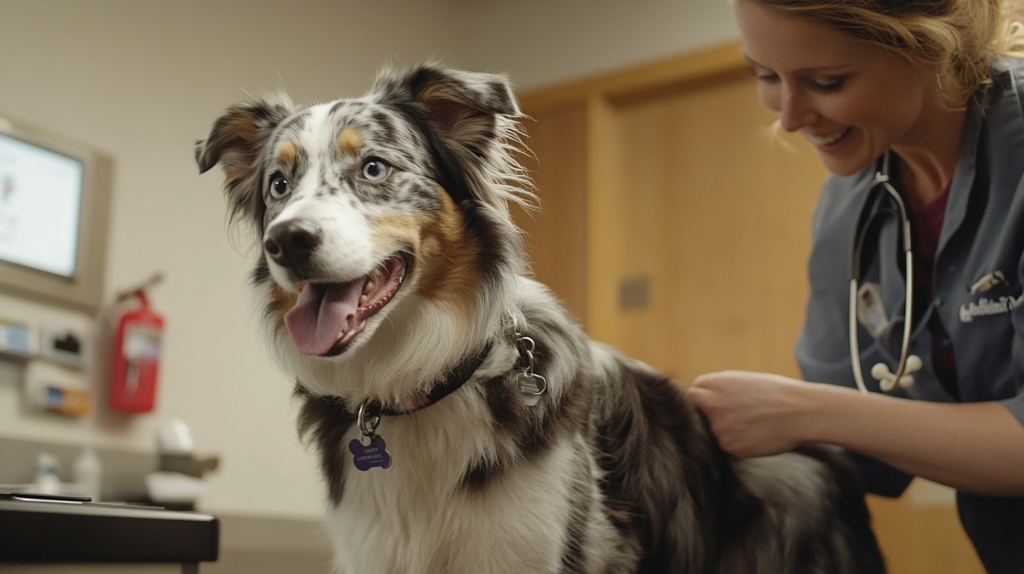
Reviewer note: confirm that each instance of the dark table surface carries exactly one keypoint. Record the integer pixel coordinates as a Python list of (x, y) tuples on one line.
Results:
[(62, 529)]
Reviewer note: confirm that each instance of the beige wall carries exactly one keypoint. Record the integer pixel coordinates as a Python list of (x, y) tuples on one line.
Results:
[(545, 42), (143, 79)]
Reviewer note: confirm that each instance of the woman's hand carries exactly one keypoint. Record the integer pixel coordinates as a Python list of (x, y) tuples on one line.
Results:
[(974, 447), (755, 414)]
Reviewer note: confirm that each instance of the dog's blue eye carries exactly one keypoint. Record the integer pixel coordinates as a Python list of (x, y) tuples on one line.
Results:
[(278, 186), (375, 169)]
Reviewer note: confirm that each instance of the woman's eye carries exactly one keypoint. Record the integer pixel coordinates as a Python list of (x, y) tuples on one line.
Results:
[(764, 75), (278, 186), (375, 169), (828, 85)]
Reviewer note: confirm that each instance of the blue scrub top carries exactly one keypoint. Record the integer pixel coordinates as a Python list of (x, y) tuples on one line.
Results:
[(982, 236)]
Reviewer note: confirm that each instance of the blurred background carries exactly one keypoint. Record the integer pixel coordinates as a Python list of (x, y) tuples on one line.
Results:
[(671, 224)]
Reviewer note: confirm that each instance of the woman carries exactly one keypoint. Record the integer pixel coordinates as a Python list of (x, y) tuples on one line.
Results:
[(918, 81)]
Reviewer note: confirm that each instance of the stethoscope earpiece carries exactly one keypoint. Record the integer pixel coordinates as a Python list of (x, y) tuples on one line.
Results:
[(887, 379)]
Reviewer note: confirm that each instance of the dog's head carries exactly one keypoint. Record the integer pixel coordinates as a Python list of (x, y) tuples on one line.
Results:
[(380, 218)]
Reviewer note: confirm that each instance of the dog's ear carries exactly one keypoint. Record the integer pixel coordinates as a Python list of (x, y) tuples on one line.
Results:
[(236, 141), (471, 121), (464, 107)]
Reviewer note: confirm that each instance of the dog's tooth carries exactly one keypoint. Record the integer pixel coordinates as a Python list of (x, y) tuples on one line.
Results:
[(368, 288), (363, 300)]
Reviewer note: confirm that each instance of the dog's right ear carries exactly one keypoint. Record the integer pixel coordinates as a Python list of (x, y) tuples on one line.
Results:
[(236, 142)]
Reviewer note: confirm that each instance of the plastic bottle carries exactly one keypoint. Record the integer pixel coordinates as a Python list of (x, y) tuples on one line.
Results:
[(47, 481), (88, 473)]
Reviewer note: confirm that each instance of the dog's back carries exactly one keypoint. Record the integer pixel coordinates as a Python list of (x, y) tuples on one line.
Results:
[(393, 290), (687, 505), (798, 512)]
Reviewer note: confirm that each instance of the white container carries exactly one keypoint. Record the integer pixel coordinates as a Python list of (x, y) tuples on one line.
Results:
[(174, 437), (88, 473), (47, 481)]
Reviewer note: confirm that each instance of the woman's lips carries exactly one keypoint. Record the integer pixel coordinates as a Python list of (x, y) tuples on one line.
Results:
[(828, 140)]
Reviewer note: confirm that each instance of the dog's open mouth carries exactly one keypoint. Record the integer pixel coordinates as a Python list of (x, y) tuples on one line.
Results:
[(327, 317)]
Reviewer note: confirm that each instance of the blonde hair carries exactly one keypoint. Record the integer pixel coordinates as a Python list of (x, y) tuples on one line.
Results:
[(959, 37)]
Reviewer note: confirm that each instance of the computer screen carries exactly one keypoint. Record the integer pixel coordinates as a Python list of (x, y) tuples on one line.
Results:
[(40, 201), (54, 203)]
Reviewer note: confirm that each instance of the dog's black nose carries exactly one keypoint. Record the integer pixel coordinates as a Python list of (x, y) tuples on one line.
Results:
[(291, 243)]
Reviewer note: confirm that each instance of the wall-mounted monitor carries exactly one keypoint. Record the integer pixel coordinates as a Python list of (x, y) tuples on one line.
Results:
[(54, 213)]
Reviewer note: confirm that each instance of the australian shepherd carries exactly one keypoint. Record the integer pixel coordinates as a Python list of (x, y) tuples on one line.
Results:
[(463, 420)]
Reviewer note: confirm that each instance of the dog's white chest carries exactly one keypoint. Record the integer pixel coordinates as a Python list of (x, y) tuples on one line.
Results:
[(411, 520)]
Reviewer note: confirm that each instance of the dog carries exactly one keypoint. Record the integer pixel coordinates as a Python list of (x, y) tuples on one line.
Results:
[(463, 420)]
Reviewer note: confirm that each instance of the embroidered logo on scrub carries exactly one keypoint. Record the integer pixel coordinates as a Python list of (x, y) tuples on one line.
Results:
[(985, 306)]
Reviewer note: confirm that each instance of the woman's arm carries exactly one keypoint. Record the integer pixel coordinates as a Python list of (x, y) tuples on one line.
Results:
[(975, 447)]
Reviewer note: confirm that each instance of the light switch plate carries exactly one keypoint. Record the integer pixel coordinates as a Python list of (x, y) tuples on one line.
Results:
[(635, 292)]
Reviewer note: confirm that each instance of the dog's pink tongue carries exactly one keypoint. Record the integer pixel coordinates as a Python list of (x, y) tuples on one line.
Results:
[(319, 313)]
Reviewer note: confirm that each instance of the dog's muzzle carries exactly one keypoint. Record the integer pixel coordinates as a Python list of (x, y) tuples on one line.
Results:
[(291, 243)]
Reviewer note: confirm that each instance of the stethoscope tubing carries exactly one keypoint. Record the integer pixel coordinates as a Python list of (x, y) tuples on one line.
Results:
[(880, 182)]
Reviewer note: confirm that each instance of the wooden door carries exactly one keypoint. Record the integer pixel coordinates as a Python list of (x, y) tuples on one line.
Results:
[(715, 216)]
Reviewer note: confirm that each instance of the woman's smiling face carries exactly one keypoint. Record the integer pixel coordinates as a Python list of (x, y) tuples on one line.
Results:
[(851, 99)]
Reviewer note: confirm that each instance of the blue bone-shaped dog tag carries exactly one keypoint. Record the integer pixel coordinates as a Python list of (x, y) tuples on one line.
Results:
[(367, 457)]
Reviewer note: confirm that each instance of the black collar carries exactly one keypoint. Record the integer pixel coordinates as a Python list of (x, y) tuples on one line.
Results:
[(458, 377)]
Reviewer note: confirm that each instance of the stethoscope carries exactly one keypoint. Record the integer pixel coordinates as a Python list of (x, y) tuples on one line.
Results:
[(887, 380)]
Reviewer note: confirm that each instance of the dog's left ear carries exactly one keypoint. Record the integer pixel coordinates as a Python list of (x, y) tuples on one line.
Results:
[(472, 118), (464, 106)]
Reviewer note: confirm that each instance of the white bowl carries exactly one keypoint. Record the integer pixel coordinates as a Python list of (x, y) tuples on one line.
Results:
[(174, 487)]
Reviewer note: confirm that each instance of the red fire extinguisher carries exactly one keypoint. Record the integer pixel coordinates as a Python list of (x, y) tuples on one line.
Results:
[(136, 358)]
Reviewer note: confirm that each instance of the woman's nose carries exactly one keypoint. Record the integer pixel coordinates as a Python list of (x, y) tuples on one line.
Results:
[(795, 112)]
